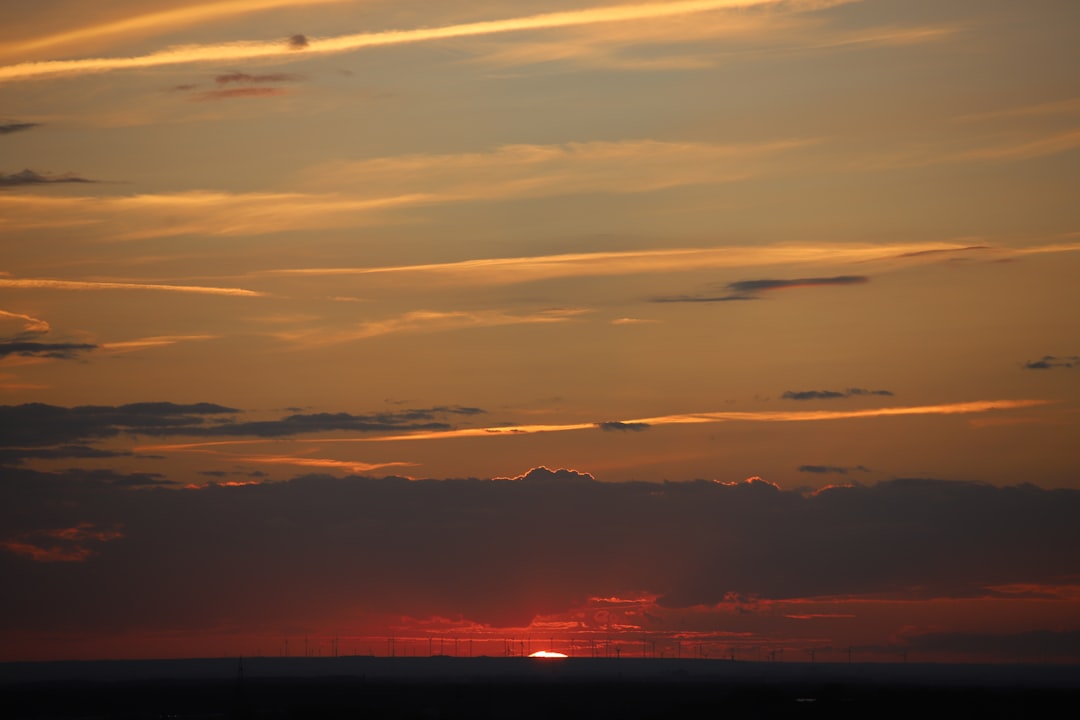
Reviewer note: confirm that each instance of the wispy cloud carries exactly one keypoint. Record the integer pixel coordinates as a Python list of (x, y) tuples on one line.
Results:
[(84, 285), (14, 127), (425, 321), (505, 271), (238, 51), (139, 217), (239, 92), (52, 350), (964, 408), (29, 323), (30, 177), (1049, 362), (153, 342), (750, 289), (833, 394), (151, 23)]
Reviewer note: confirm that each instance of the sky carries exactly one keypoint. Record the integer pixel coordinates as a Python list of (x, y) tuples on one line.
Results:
[(719, 328)]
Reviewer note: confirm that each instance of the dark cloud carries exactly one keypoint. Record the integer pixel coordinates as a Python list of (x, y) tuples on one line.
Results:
[(56, 350), (502, 551), (240, 92), (832, 394), (8, 128), (755, 286), (298, 41), (301, 423), (750, 289), (37, 425), (616, 425), (1041, 645), (830, 469), (1050, 362), (29, 177), (944, 251), (15, 456), (701, 298), (239, 77)]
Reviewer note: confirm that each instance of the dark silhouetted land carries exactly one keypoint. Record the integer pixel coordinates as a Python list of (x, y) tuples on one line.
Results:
[(443, 687)]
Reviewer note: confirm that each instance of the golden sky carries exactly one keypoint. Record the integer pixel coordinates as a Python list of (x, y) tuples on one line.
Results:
[(818, 242)]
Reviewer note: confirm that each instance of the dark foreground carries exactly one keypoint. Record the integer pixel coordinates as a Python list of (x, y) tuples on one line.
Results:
[(524, 688)]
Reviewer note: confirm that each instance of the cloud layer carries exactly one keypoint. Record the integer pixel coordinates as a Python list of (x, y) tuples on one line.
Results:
[(500, 552)]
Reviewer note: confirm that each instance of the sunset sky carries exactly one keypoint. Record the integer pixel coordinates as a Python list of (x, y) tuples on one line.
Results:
[(705, 327)]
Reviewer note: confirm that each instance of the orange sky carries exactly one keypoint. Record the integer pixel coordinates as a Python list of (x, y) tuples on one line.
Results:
[(253, 246)]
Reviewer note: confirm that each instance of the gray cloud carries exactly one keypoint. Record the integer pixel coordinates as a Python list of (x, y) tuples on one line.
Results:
[(55, 350), (483, 550), (298, 41), (832, 394), (29, 177), (754, 286), (240, 77), (830, 469), (37, 425), (1050, 362), (15, 456), (750, 289), (1040, 645), (14, 127), (615, 425)]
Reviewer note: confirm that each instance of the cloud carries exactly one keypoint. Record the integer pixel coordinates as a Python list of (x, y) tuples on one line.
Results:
[(484, 550), (14, 127), (241, 77), (755, 286), (1038, 645), (33, 426), (1050, 362), (240, 92), (134, 26), (36, 424), (830, 469), (749, 289), (646, 12), (768, 416), (28, 343), (510, 270), (29, 177), (622, 426), (15, 456), (53, 350), (49, 284), (833, 394), (424, 321), (69, 544)]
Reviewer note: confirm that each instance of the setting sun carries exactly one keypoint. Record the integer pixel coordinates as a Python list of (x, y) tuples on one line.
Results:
[(547, 654)]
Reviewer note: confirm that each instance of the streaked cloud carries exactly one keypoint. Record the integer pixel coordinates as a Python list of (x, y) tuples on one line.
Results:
[(763, 416), (147, 24), (749, 289), (511, 270), (830, 469), (154, 341), (30, 177), (240, 51), (85, 285), (833, 394), (1049, 362), (14, 127), (53, 350), (425, 321)]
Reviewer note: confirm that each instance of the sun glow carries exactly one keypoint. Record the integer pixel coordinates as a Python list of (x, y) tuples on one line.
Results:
[(547, 654)]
